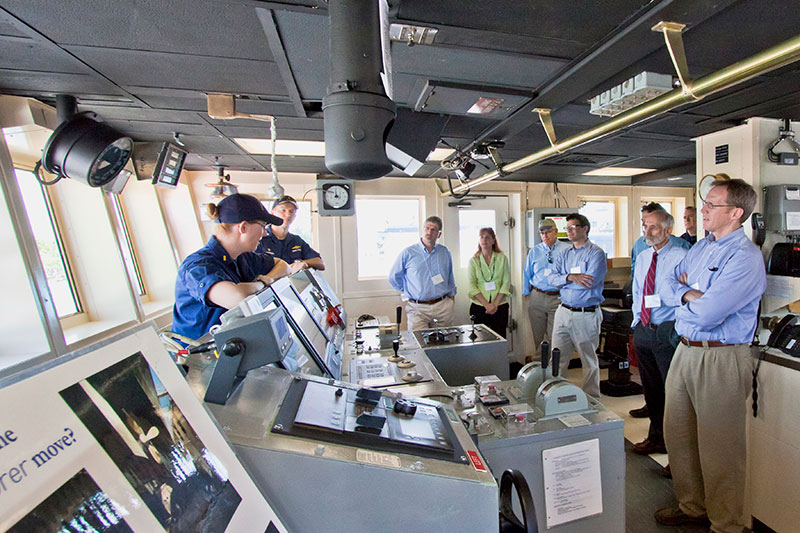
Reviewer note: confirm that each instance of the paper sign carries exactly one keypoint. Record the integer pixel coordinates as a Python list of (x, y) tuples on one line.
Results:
[(489, 286), (437, 279), (575, 270), (547, 271), (113, 438), (696, 286), (793, 220), (572, 484), (652, 300)]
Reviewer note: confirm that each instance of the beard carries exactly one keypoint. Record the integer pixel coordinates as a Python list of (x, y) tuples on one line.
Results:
[(654, 241)]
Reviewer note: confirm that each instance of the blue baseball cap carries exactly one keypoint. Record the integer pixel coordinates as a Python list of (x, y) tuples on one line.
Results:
[(244, 208), (285, 199)]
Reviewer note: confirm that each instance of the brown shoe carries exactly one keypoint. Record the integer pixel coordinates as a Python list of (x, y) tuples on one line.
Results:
[(666, 472), (673, 516), (647, 446)]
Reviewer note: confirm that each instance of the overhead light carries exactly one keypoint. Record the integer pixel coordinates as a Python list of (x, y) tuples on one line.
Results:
[(618, 171), (83, 148), (411, 35), (485, 105), (630, 93), (438, 154), (282, 147), (676, 178)]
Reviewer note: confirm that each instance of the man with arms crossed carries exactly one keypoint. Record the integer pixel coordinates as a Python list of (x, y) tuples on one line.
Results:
[(579, 272), (718, 286), (654, 321), (424, 274), (542, 298)]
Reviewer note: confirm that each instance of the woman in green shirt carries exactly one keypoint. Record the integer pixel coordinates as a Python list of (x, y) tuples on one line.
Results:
[(489, 280)]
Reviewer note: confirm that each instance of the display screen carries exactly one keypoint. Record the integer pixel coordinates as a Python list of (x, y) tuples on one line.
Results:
[(281, 329)]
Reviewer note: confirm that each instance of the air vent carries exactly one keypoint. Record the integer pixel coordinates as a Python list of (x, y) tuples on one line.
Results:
[(588, 160)]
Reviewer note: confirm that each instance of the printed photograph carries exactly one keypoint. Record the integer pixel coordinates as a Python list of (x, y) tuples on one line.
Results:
[(132, 416), (76, 506)]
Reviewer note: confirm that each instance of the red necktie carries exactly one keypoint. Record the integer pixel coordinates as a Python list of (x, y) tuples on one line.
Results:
[(649, 287)]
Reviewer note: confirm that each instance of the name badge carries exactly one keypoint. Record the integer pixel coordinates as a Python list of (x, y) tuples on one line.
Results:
[(437, 279), (547, 271), (489, 286), (652, 300), (575, 270), (696, 286)]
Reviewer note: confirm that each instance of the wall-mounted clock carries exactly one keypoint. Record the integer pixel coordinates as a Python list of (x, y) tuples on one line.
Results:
[(336, 197), (707, 182)]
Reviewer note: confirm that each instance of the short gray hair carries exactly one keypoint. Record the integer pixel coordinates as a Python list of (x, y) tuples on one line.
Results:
[(664, 218)]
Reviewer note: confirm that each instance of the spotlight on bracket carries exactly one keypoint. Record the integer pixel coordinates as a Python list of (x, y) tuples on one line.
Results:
[(84, 148)]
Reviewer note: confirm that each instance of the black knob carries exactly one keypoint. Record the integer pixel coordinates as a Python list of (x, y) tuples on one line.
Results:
[(399, 316), (545, 353), (233, 347), (395, 346)]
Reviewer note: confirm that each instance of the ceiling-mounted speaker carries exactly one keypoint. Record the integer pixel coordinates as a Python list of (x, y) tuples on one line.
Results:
[(358, 114), (86, 149)]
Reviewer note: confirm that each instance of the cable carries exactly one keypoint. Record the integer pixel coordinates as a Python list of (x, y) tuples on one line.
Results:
[(37, 174)]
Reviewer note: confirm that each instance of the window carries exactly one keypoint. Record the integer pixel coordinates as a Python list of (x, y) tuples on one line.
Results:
[(469, 224), (128, 253), (667, 205), (385, 227), (602, 217), (48, 241)]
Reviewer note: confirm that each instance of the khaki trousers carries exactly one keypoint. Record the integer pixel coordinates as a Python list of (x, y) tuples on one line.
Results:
[(704, 429), (576, 331), (541, 312), (420, 316)]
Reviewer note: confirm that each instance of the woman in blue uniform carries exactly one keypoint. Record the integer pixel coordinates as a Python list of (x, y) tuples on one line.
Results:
[(225, 271)]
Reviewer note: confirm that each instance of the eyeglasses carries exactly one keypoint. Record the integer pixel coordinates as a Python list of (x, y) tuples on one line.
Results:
[(573, 226), (258, 222), (714, 206), (549, 257)]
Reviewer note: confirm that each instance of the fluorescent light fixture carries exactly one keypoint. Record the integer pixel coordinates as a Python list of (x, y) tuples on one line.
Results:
[(630, 93), (618, 171), (439, 154), (676, 178), (282, 147)]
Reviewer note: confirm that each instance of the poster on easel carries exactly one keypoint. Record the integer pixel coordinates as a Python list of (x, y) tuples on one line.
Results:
[(112, 438)]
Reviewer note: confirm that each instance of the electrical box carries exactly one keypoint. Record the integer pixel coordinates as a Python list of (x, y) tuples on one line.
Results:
[(782, 209)]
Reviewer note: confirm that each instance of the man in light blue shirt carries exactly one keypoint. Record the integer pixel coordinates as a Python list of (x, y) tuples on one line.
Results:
[(654, 322), (542, 298), (423, 273), (639, 245), (718, 287), (579, 272)]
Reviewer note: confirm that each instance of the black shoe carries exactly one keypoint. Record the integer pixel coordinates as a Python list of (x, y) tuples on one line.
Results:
[(641, 412), (647, 446), (673, 516)]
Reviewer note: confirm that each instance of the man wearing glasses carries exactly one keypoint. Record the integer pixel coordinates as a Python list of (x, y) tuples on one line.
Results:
[(579, 272), (718, 287), (541, 296)]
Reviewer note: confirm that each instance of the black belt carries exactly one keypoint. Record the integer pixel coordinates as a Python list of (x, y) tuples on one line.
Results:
[(589, 309), (549, 293), (427, 302)]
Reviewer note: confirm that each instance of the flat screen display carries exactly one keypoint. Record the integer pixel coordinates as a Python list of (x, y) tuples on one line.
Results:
[(561, 224)]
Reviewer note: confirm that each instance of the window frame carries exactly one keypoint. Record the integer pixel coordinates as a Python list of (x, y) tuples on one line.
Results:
[(621, 248), (121, 219)]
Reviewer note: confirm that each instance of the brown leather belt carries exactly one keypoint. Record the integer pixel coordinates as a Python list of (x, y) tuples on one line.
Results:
[(549, 293), (589, 309), (427, 302), (704, 344)]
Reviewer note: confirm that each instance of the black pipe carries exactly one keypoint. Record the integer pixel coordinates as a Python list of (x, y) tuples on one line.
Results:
[(66, 107)]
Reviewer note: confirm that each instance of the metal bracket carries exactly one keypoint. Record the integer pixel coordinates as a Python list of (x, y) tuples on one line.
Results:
[(547, 123), (672, 36)]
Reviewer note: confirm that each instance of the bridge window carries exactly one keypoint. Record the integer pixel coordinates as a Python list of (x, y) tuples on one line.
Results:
[(602, 215), (49, 243), (385, 227)]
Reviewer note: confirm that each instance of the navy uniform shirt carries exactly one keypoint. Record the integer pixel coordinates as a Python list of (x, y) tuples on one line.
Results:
[(292, 248), (193, 315)]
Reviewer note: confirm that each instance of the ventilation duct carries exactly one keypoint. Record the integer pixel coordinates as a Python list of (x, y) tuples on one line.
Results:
[(357, 112)]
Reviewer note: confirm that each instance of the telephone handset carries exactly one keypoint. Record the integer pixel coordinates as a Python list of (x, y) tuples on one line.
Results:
[(786, 336), (759, 229)]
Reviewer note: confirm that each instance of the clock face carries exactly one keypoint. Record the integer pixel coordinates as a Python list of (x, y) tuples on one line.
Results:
[(336, 196), (706, 183)]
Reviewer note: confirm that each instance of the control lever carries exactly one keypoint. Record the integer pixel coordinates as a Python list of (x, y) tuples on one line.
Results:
[(395, 346), (556, 360), (399, 314), (472, 335), (545, 346)]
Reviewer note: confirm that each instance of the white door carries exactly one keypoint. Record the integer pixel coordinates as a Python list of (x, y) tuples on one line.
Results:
[(461, 228)]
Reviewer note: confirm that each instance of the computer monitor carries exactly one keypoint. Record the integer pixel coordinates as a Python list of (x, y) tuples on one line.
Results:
[(537, 214)]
